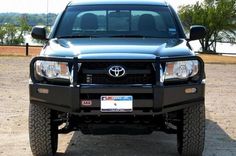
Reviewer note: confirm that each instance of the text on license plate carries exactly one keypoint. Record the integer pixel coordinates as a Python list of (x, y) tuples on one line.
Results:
[(116, 103)]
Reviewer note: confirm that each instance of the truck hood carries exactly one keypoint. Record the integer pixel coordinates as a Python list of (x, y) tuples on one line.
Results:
[(117, 48)]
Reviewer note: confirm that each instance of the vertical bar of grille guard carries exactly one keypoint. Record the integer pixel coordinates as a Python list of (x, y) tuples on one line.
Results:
[(32, 70), (75, 90), (75, 72), (157, 88)]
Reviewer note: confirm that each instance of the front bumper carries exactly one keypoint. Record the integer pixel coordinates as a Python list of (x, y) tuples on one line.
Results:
[(68, 98), (148, 99)]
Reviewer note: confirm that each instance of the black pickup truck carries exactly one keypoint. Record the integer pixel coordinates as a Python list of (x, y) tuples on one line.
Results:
[(117, 67)]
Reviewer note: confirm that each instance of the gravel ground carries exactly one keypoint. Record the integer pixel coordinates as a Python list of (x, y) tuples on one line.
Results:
[(220, 127)]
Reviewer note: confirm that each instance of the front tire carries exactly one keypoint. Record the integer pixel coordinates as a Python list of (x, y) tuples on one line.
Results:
[(43, 132), (191, 130)]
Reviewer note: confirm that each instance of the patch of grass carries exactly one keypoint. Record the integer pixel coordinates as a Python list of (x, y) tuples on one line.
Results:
[(217, 59)]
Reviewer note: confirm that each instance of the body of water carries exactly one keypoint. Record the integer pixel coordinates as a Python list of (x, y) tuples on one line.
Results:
[(220, 47)]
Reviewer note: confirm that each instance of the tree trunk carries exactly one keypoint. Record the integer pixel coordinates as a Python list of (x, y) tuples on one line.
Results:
[(206, 45), (202, 44), (215, 42)]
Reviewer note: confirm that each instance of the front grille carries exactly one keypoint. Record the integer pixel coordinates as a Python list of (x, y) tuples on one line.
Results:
[(136, 73)]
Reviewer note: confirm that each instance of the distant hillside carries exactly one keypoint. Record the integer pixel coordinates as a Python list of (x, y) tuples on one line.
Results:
[(33, 19)]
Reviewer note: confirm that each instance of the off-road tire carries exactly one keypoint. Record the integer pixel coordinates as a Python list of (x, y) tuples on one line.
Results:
[(191, 131), (43, 133)]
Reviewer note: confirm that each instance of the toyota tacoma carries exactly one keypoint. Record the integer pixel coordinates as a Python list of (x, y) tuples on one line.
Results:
[(117, 67)]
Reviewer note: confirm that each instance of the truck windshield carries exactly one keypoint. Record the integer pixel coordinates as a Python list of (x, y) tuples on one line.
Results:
[(117, 21)]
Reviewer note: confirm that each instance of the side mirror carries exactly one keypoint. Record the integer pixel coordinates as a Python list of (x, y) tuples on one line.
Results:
[(197, 32), (39, 32)]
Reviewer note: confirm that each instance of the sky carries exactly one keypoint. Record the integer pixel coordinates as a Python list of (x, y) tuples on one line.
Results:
[(55, 6)]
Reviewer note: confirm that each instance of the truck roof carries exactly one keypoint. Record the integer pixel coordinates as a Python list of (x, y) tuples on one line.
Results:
[(139, 2)]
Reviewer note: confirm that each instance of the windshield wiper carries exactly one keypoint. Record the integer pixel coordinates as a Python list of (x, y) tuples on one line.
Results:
[(77, 36), (132, 36)]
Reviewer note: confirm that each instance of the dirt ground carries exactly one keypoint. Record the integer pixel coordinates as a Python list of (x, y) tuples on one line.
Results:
[(14, 101)]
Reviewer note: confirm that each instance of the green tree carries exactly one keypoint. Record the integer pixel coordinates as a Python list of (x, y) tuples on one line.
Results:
[(218, 16), (13, 34), (23, 28), (11, 31), (2, 34)]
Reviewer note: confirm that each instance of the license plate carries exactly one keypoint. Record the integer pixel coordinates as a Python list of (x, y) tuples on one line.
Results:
[(116, 103)]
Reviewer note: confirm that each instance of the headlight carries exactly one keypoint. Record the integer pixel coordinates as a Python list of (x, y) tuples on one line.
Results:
[(52, 70), (181, 69)]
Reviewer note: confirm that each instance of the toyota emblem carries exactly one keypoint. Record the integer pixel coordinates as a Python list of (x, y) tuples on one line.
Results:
[(116, 71)]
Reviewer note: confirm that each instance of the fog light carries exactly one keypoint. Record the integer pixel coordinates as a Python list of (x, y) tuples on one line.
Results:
[(43, 91), (190, 90)]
